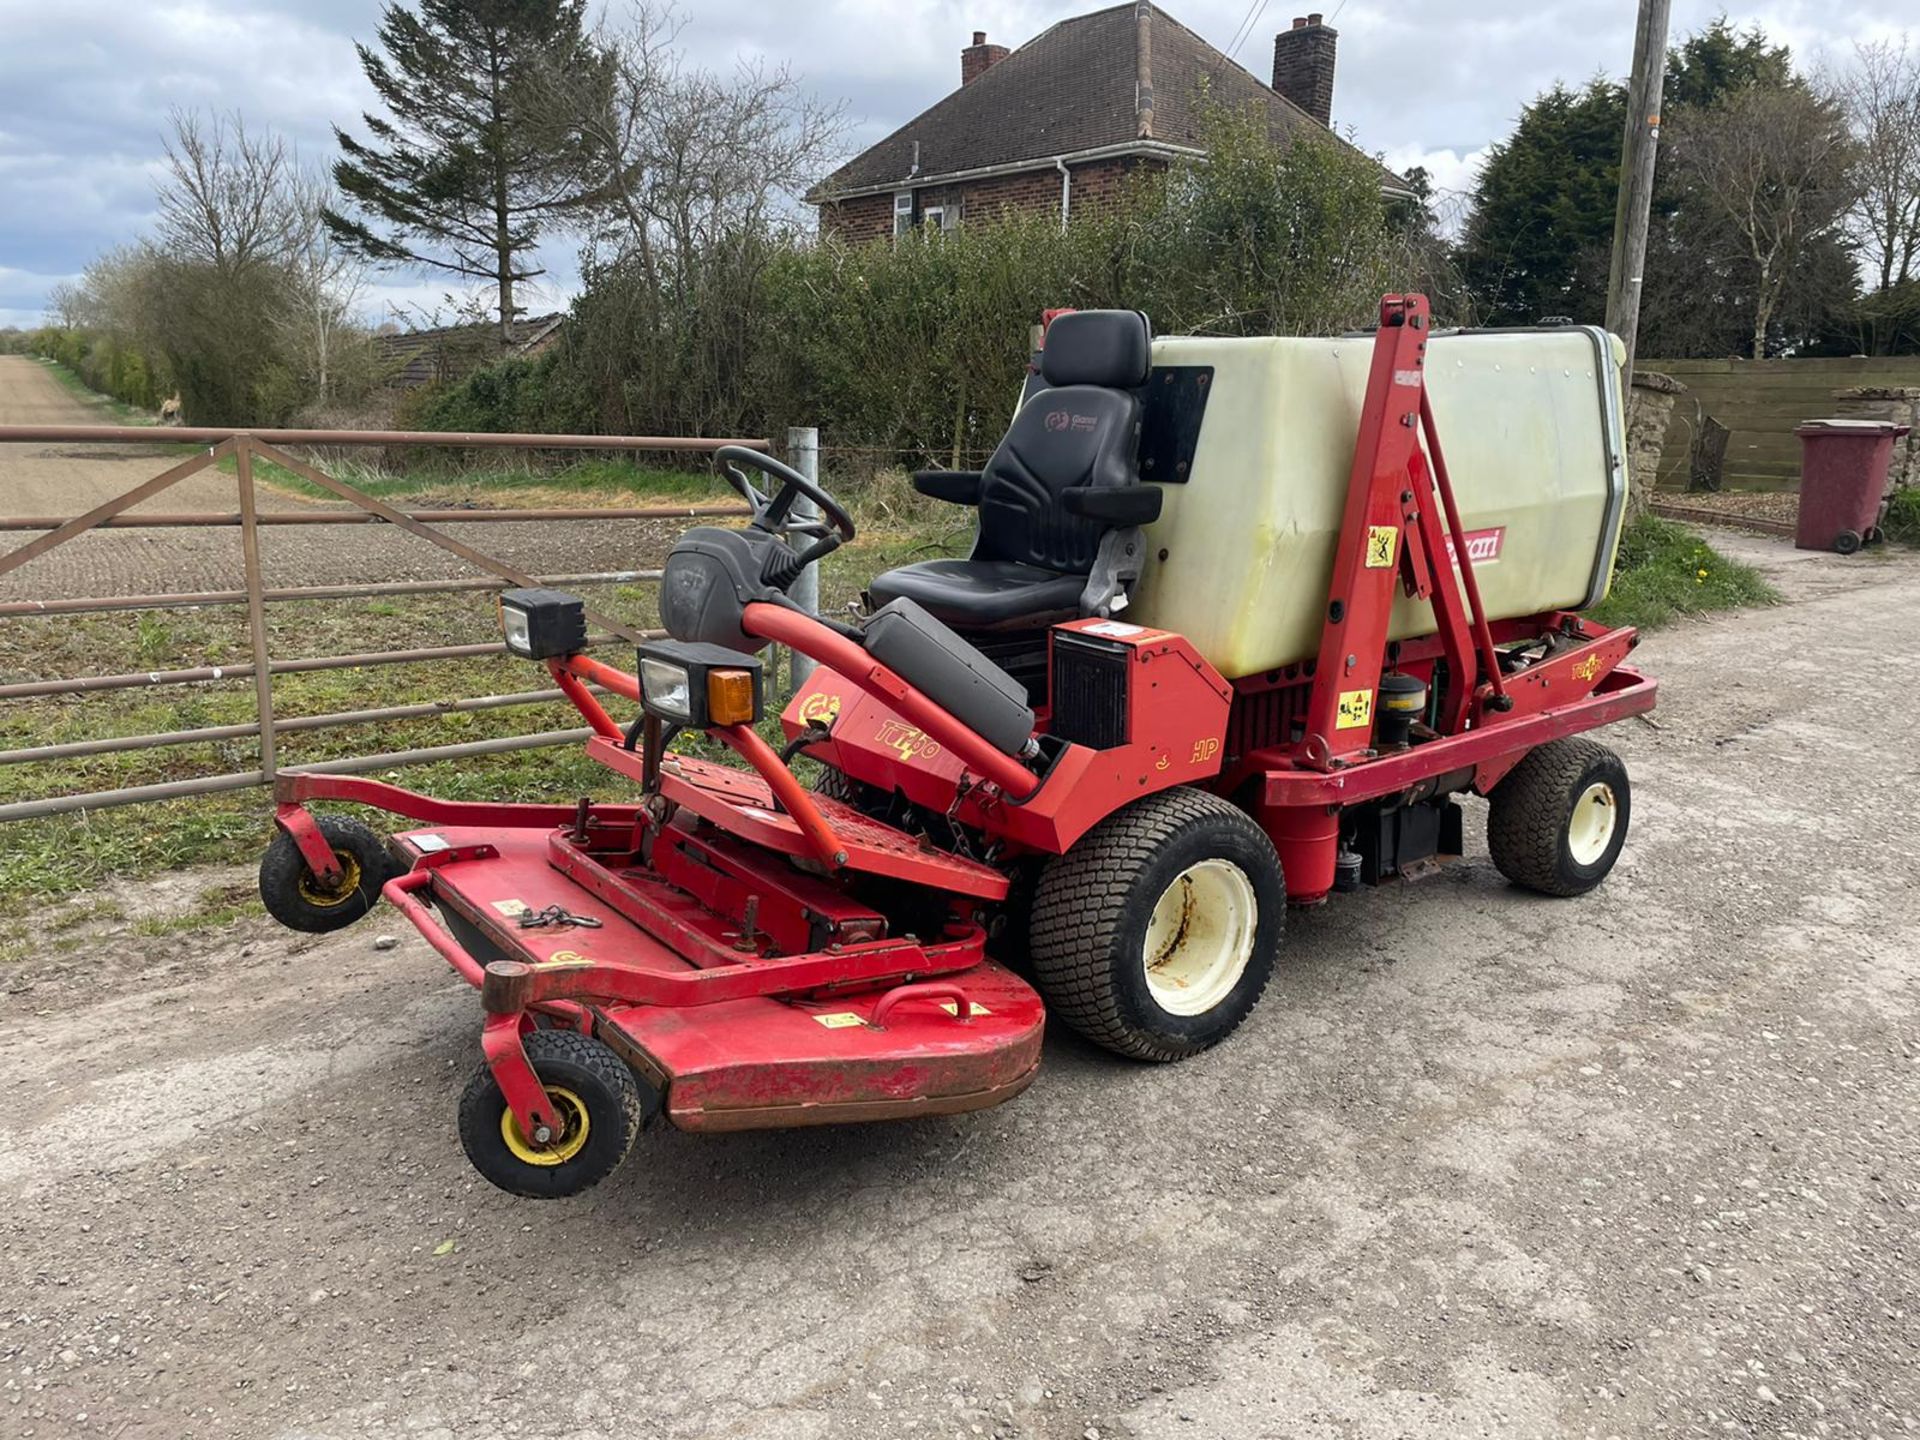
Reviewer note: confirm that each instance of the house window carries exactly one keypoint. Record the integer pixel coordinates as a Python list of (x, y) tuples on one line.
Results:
[(940, 217), (902, 212)]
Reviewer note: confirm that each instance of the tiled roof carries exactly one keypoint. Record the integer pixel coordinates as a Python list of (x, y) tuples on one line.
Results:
[(1076, 87), (420, 357)]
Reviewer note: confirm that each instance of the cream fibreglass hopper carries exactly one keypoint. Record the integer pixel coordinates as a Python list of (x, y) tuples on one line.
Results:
[(1534, 438)]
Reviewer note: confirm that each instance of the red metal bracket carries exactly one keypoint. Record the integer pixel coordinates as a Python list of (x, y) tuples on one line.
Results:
[(296, 822), (295, 788), (526, 1097)]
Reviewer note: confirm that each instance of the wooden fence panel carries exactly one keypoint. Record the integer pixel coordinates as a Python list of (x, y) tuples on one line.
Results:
[(1762, 402)]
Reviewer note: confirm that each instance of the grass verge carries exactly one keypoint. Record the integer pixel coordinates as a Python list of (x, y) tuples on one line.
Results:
[(1903, 516), (110, 409), (1667, 572)]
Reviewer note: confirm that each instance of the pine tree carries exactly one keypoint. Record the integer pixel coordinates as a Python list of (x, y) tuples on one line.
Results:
[(468, 166)]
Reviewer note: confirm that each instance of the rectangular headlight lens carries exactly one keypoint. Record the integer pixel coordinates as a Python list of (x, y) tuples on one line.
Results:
[(517, 629), (667, 689)]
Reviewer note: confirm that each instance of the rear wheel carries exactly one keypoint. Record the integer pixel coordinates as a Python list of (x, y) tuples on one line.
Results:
[(298, 899), (1155, 935), (1558, 820), (599, 1104), (1847, 542)]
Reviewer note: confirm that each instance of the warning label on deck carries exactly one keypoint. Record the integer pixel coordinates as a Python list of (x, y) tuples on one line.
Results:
[(1382, 541), (1356, 710)]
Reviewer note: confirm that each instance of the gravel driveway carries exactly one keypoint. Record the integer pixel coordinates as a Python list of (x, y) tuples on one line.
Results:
[(1643, 1163)]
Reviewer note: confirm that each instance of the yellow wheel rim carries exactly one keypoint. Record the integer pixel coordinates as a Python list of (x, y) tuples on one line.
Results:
[(328, 896), (569, 1143)]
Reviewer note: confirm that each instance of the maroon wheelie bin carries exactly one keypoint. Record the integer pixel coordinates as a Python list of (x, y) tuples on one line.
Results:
[(1843, 482)]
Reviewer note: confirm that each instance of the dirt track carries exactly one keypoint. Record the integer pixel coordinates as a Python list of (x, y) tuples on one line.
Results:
[(1481, 1163), (62, 481)]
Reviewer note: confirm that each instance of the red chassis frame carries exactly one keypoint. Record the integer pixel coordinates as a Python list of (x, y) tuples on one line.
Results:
[(711, 923)]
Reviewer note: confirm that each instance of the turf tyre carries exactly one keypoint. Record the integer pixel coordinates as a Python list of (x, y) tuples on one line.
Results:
[(294, 898), (1095, 906), (1531, 819), (590, 1075)]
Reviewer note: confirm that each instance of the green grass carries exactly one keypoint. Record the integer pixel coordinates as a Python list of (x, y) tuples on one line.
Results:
[(1903, 516), (504, 485), (110, 408), (1666, 572)]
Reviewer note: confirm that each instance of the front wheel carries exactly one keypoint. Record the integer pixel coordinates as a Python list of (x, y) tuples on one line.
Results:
[(599, 1103), (1155, 935), (298, 899), (1557, 822)]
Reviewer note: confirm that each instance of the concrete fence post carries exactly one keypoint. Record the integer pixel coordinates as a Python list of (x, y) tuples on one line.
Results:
[(803, 453)]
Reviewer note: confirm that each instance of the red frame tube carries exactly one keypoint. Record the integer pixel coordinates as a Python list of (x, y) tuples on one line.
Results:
[(794, 797), (583, 700), (837, 653)]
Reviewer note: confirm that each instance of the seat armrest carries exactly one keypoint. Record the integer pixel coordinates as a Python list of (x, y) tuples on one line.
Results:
[(1117, 505), (956, 487)]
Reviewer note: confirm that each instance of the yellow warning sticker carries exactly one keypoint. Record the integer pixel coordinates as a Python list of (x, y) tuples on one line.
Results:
[(511, 907), (973, 1008), (1356, 710), (563, 960), (1382, 542), (839, 1019)]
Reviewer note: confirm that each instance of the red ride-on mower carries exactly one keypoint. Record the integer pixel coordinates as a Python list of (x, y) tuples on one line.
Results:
[(1128, 820)]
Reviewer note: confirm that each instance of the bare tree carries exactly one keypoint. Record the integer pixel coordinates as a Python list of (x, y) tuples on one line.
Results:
[(228, 197), (1776, 167), (325, 282), (1882, 96), (682, 158)]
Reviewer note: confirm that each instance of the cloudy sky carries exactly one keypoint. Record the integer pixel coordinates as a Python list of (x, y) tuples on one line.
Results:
[(85, 85)]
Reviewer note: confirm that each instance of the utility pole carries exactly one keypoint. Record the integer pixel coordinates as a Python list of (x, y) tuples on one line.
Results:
[(1631, 213)]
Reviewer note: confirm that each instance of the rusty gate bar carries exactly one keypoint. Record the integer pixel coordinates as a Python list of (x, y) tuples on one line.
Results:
[(256, 608), (219, 519), (207, 784), (193, 599), (89, 684), (437, 439), (212, 734)]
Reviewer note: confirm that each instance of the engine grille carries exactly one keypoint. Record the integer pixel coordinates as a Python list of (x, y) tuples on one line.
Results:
[(1090, 691)]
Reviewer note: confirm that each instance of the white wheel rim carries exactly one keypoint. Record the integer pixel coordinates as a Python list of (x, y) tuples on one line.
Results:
[(1590, 830), (1200, 937)]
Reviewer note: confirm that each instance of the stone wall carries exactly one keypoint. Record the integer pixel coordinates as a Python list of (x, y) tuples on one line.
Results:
[(1649, 410), (1898, 403)]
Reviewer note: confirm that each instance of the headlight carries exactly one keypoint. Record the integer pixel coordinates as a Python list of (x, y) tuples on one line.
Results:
[(667, 689), (699, 685), (543, 624)]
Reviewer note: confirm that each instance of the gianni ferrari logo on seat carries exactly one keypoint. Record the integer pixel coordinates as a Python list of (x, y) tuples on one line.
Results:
[(1067, 420), (911, 744)]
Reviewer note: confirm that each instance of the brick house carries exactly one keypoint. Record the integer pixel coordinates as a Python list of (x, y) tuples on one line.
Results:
[(1058, 125)]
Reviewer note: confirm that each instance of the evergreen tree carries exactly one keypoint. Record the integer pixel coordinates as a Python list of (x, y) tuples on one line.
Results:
[(469, 164), (1536, 242)]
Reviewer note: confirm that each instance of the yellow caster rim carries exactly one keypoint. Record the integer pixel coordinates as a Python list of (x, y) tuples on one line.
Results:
[(328, 896), (572, 1139)]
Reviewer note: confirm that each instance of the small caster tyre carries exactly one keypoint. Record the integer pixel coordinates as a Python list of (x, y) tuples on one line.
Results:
[(1558, 820), (1155, 935), (295, 898), (601, 1105), (1847, 542), (1875, 535)]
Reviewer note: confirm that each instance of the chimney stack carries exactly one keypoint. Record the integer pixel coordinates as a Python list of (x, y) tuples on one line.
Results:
[(1303, 66), (980, 57)]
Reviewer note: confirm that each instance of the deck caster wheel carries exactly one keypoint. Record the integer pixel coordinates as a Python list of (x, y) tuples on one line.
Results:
[(1558, 820), (601, 1108), (299, 901), (1846, 542), (1155, 935)]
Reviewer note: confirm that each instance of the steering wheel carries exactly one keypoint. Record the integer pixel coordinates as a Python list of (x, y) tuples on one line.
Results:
[(775, 516)]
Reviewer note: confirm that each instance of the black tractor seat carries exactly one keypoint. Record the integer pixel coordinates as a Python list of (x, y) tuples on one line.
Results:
[(1063, 480)]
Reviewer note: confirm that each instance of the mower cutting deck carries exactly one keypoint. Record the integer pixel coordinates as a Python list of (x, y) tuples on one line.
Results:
[(732, 950)]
